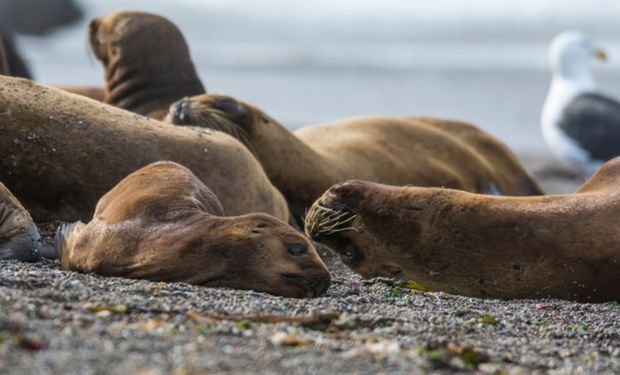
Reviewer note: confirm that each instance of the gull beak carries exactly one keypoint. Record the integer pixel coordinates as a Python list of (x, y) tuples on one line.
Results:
[(600, 54)]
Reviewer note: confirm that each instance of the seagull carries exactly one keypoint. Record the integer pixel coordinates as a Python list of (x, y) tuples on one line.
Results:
[(580, 125)]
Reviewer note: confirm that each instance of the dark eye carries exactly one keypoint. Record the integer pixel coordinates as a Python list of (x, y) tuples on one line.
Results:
[(230, 106), (297, 249)]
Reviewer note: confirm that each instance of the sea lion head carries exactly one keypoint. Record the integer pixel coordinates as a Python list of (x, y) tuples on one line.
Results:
[(357, 222), (135, 36), (142, 52), (19, 236), (265, 254), (220, 112)]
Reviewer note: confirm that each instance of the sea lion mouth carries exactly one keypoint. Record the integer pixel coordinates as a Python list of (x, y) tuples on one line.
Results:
[(313, 287)]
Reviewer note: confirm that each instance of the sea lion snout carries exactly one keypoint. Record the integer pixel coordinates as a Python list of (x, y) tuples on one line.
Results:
[(334, 210), (179, 111), (283, 251), (303, 286), (20, 248), (214, 111)]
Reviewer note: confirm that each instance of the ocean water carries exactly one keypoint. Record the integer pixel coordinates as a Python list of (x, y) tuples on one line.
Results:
[(314, 61)]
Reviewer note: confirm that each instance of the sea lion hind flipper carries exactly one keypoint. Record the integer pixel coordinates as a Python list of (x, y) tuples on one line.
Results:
[(63, 233)]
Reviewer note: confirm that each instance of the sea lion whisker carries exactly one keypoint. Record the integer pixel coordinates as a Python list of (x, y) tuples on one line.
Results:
[(325, 220)]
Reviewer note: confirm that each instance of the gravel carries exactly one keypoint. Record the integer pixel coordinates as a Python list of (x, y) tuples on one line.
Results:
[(59, 322)]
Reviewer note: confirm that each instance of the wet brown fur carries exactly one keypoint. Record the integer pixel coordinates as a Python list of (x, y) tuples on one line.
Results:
[(161, 223), (560, 246), (59, 153), (391, 150), (146, 60)]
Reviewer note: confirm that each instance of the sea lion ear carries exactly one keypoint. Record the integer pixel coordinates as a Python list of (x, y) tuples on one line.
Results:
[(230, 106)]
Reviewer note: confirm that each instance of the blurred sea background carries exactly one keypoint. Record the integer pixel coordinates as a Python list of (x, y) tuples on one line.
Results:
[(314, 61)]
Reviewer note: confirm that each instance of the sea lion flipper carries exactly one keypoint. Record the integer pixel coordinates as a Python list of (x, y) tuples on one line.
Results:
[(63, 236)]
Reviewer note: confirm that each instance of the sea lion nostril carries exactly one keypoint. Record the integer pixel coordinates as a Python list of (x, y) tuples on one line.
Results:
[(297, 249), (179, 110)]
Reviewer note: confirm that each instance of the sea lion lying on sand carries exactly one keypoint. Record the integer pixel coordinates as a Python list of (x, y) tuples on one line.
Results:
[(559, 246), (146, 60), (396, 151), (59, 153), (19, 236), (162, 223)]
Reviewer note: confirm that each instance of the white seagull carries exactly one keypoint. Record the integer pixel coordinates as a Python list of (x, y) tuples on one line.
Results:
[(581, 126)]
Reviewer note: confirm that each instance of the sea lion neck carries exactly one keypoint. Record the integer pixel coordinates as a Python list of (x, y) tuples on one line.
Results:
[(280, 152), (147, 61), (145, 89)]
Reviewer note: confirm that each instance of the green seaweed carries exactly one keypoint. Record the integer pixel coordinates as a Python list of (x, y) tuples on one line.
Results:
[(244, 324), (411, 284), (488, 319), (394, 291)]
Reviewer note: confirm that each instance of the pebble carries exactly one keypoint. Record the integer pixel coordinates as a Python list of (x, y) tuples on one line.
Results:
[(85, 321)]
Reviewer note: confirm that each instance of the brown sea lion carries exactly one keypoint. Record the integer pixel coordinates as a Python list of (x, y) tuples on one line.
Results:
[(161, 223), (559, 246), (396, 151), (146, 60), (19, 236), (59, 153)]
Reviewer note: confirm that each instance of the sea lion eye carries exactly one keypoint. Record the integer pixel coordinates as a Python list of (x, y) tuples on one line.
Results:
[(297, 249), (229, 106)]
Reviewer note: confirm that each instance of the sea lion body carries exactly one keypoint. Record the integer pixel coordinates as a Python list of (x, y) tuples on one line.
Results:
[(146, 60), (93, 92), (562, 246), (19, 236), (391, 150), (161, 223), (59, 153)]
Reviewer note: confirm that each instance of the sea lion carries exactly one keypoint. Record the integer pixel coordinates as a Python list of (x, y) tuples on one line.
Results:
[(396, 151), (161, 223), (558, 246), (146, 60), (59, 153), (11, 63), (4, 62), (19, 236)]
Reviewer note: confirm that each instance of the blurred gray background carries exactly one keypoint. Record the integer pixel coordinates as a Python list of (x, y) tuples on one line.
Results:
[(312, 61)]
